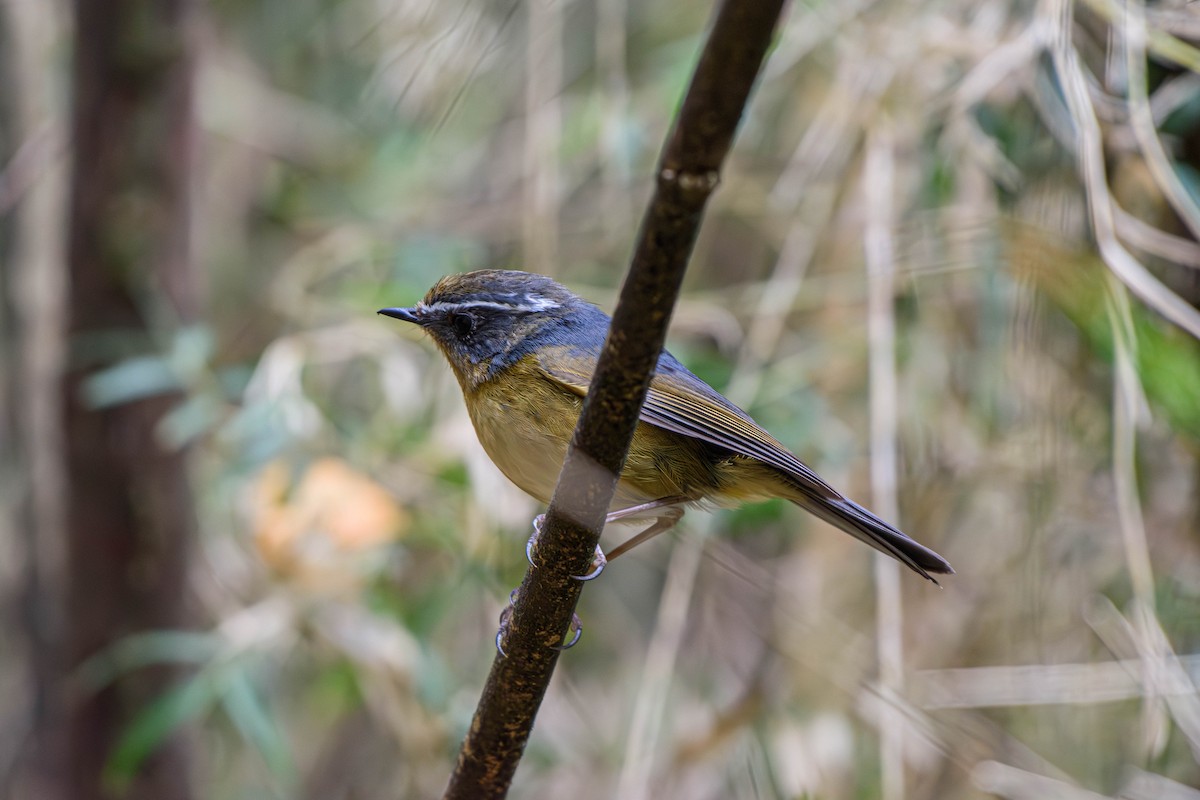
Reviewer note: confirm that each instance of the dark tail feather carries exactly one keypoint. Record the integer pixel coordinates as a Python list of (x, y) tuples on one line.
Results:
[(865, 526)]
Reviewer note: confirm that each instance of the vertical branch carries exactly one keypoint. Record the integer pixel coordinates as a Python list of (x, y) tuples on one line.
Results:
[(688, 172), (879, 187), (1128, 404), (129, 510)]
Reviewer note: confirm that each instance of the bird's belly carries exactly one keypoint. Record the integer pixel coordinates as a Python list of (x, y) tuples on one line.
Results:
[(526, 434)]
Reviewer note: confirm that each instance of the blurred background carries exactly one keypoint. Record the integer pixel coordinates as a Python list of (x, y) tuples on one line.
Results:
[(251, 548)]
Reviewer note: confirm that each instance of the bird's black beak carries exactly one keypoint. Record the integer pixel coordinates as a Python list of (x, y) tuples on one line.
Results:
[(406, 314)]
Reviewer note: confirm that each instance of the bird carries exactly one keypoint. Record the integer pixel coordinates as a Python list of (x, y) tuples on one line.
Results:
[(523, 348)]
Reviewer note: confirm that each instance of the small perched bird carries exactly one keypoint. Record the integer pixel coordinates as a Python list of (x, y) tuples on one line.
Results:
[(524, 347)]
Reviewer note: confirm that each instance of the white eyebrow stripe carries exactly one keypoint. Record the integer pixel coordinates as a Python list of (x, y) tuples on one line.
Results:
[(530, 305)]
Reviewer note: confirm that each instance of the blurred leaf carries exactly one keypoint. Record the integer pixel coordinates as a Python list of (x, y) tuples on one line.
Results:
[(146, 650), (336, 688), (245, 707), (233, 380), (941, 182), (142, 376), (1178, 607), (191, 349), (709, 365), (434, 684), (132, 379), (454, 473), (1184, 118), (152, 726), (193, 417), (753, 516), (257, 431), (1189, 176), (1168, 360)]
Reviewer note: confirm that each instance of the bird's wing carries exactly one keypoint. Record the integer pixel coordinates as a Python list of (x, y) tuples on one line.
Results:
[(680, 402)]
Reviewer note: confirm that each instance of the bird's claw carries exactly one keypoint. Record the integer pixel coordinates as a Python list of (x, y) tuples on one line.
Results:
[(577, 628), (505, 616), (599, 561), (502, 631), (533, 538)]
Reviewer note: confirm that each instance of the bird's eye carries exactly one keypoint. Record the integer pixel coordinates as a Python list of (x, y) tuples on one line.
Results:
[(463, 324)]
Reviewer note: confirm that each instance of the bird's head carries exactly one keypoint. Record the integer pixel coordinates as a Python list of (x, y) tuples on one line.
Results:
[(487, 320)]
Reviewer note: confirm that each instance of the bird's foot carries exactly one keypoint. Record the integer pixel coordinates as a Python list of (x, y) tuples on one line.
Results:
[(599, 561), (575, 629), (538, 521), (505, 619)]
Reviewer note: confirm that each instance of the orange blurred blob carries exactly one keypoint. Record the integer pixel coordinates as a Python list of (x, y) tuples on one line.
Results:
[(326, 531)]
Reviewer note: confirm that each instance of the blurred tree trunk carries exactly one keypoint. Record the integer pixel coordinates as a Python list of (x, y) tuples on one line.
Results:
[(32, 300), (130, 515)]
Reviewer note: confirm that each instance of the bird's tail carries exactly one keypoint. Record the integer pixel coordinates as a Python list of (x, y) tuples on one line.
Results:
[(865, 526)]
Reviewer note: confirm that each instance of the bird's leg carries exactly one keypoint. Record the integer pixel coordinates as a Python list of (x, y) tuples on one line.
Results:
[(632, 511), (665, 521), (669, 519)]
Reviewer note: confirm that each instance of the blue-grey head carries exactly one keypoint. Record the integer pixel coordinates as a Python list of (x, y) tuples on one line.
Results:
[(487, 320)]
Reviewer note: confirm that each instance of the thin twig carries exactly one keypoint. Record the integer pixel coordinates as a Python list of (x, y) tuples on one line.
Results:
[(1141, 117), (1090, 152), (1129, 404), (543, 133), (669, 628), (879, 186), (688, 173), (611, 47), (1149, 239), (1141, 785), (1015, 685), (1159, 670), (807, 192), (1018, 784), (1159, 42)]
